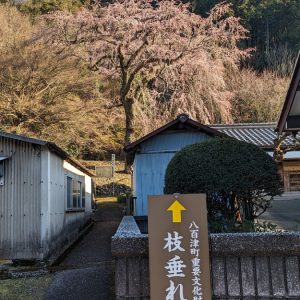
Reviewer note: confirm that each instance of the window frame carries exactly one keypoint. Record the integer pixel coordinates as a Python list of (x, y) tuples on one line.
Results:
[(294, 181), (76, 188)]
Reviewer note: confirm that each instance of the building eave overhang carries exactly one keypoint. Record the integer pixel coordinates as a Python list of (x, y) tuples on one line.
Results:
[(52, 147), (182, 121), (65, 156), (289, 100)]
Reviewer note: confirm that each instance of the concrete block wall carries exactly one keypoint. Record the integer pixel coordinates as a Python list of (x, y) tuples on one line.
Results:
[(243, 266)]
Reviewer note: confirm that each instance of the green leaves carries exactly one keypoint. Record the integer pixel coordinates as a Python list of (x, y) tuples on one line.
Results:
[(239, 179)]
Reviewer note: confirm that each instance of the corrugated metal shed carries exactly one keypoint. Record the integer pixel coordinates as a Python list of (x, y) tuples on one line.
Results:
[(51, 146), (153, 153), (151, 162), (20, 197), (34, 221)]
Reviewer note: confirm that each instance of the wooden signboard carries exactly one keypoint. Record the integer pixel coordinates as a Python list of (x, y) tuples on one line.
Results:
[(104, 172), (178, 247)]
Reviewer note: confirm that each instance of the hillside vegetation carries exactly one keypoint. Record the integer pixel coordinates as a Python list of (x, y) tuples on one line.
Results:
[(47, 89)]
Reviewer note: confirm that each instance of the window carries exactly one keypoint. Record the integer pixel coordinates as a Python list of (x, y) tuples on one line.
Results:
[(294, 179), (2, 160), (75, 194), (1, 172), (69, 192), (83, 196)]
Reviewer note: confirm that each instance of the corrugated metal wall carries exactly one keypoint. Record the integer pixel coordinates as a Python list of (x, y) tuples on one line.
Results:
[(33, 218), (20, 200), (57, 195), (151, 162)]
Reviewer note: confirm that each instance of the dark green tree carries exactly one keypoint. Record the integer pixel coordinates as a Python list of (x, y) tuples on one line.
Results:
[(240, 179), (273, 30)]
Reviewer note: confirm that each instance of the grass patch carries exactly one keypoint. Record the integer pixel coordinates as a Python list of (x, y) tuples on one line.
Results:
[(31, 288)]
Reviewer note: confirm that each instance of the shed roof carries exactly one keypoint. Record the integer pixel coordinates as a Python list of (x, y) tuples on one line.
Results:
[(290, 97), (181, 122), (259, 134), (51, 146)]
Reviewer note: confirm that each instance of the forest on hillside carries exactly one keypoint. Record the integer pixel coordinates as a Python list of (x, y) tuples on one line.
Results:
[(91, 77)]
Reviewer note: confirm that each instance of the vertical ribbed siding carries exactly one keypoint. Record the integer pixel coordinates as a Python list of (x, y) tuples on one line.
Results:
[(151, 162), (57, 202), (20, 200)]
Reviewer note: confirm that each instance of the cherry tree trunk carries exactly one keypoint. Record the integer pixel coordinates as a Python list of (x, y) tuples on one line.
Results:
[(129, 126)]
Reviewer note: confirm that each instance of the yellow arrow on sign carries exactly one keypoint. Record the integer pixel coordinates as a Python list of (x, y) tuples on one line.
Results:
[(176, 208)]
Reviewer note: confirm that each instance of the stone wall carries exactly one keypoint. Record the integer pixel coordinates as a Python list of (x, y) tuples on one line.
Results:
[(243, 266)]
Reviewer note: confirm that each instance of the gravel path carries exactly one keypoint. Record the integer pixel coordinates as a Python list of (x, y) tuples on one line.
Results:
[(87, 271)]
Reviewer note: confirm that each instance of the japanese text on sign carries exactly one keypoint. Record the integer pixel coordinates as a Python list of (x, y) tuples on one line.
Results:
[(178, 248), (175, 266)]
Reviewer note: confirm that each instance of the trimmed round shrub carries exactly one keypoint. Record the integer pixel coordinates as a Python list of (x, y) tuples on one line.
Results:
[(240, 179)]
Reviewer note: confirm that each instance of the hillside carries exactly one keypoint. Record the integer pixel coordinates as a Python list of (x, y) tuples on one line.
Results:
[(56, 95)]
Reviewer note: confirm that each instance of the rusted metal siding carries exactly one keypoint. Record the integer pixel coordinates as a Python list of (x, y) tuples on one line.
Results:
[(20, 196)]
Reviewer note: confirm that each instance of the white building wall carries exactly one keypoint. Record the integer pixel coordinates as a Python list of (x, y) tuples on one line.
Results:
[(59, 226), (288, 155), (88, 184)]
